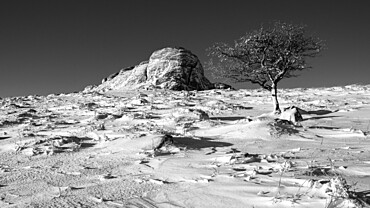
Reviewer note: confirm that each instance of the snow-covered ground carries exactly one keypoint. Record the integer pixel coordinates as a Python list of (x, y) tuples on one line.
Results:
[(159, 148)]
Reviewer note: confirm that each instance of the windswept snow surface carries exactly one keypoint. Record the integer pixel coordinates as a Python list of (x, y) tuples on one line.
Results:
[(159, 148)]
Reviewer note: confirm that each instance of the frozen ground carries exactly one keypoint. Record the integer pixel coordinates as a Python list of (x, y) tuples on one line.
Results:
[(174, 149)]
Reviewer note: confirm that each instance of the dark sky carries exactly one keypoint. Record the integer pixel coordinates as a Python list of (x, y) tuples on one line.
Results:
[(62, 46)]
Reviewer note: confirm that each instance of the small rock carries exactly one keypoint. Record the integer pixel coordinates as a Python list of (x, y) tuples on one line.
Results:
[(222, 86), (190, 114), (156, 181), (262, 193), (166, 139), (291, 114), (28, 151), (99, 116), (140, 101), (93, 136)]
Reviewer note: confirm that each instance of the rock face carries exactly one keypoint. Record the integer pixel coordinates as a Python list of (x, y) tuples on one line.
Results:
[(168, 68), (177, 69), (127, 78)]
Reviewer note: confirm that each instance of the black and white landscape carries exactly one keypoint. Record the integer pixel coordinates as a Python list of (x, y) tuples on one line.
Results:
[(160, 130)]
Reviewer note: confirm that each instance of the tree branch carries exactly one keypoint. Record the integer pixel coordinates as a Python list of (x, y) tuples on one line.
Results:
[(266, 56)]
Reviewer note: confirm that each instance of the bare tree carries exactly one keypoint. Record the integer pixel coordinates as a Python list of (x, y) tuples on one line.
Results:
[(265, 56)]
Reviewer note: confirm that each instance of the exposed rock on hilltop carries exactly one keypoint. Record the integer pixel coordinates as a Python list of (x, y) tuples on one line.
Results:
[(177, 69), (127, 78), (167, 68)]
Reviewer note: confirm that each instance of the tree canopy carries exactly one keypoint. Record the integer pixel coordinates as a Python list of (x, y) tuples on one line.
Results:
[(265, 56)]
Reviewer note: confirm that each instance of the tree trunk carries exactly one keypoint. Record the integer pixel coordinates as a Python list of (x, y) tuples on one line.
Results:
[(274, 99)]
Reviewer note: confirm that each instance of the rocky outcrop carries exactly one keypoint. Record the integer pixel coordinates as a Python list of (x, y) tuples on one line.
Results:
[(177, 69), (127, 78), (167, 68)]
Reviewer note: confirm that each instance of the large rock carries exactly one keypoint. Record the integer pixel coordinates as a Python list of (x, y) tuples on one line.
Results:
[(168, 68), (177, 69)]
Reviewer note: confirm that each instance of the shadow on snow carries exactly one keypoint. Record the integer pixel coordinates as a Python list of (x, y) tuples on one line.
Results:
[(227, 118), (202, 142)]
